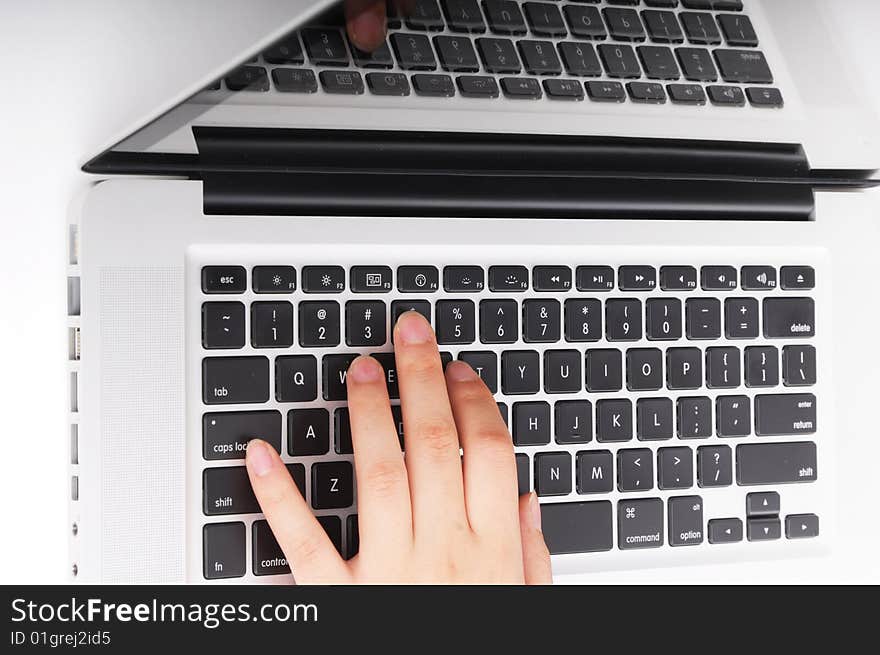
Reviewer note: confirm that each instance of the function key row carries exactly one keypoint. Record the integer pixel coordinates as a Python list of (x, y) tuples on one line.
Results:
[(505, 279)]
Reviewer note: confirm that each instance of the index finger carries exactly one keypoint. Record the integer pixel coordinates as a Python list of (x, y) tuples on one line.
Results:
[(365, 23)]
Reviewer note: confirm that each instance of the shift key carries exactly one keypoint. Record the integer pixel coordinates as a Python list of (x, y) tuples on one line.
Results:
[(775, 463), (785, 413)]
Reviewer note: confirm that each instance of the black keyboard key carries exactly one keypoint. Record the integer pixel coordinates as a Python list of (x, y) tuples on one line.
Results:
[(502, 409), (725, 531), (344, 82), (371, 279), (222, 325), (227, 490), (658, 62), (577, 527), (700, 27), (775, 463), (685, 521), (696, 64), (604, 369), (764, 97), (224, 279), (663, 319), (654, 419), (644, 369), (389, 366), (531, 424), (738, 30), (456, 54), (662, 26), (325, 47), (637, 278), (595, 278), (520, 372), (686, 94), (499, 322), (233, 380), (524, 88), (783, 414), (545, 19), (703, 318), (296, 378), (623, 319), (333, 527), (714, 466), (741, 318), (485, 364), (583, 320), (342, 432), (223, 550), (553, 474), (733, 416), (294, 80), (743, 66), (762, 503), (718, 278), (413, 51), (248, 78), (635, 469), (455, 321), (463, 278), (417, 279), (684, 368), (287, 51), (388, 84), (675, 468), (646, 92), (661, 3), (619, 61), (763, 529), (595, 472), (798, 366), (424, 15), (624, 24), (580, 59), (332, 485), (639, 523), (335, 372), (606, 91), (789, 318), (508, 278), (323, 279), (585, 22), (478, 86), (573, 421), (614, 420), (225, 435), (319, 324), (678, 278), (722, 367), (758, 278), (268, 558), (504, 17), (562, 371), (274, 279), (542, 321), (365, 323), (551, 278), (352, 536), (392, 13), (727, 5), (271, 325), (523, 474), (399, 307), (797, 277), (539, 57), (308, 432), (694, 417), (801, 526), (378, 58), (726, 95), (437, 86), (463, 15), (761, 366)]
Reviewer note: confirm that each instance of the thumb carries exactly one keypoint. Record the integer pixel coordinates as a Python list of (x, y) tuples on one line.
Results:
[(536, 557)]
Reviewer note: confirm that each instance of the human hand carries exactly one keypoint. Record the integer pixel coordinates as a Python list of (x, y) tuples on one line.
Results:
[(365, 23), (431, 516)]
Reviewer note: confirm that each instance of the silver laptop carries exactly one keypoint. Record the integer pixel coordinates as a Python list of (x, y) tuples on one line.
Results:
[(614, 210)]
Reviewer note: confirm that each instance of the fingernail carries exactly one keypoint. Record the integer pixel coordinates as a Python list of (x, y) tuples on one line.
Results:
[(259, 459), (366, 29), (365, 369), (534, 511), (460, 371), (412, 328)]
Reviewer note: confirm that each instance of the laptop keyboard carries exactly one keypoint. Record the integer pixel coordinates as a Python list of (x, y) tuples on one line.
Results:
[(691, 52), (651, 406)]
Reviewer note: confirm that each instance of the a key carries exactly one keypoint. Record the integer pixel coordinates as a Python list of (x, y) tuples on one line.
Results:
[(399, 307), (577, 527), (522, 88), (741, 318), (287, 51), (663, 319), (553, 474), (508, 278), (456, 54), (624, 24), (463, 15), (722, 367), (485, 364), (585, 22), (764, 97), (380, 57), (658, 62), (726, 95), (694, 417), (541, 321), (323, 279), (614, 420), (653, 419), (440, 86), (478, 86), (455, 321), (684, 368), (296, 378), (738, 30), (646, 92), (365, 323), (319, 324), (531, 424), (718, 278), (639, 523), (417, 279), (562, 371), (789, 318), (333, 527), (619, 61), (763, 529), (594, 278), (274, 279), (352, 536), (225, 435), (342, 431), (294, 80), (675, 468), (424, 15), (523, 474), (233, 380), (801, 526), (685, 521), (334, 374), (341, 82), (463, 278), (498, 55), (573, 421), (227, 490), (271, 325), (332, 485), (743, 66), (502, 409), (551, 278), (222, 325), (388, 84), (703, 318), (248, 78), (595, 472), (637, 278), (775, 463), (635, 469), (782, 414), (389, 368), (696, 64), (397, 419), (761, 366), (604, 369), (686, 94), (413, 51), (700, 27), (798, 366), (644, 369), (520, 372), (371, 279), (539, 57), (268, 557), (797, 277), (623, 319), (223, 279), (733, 416), (762, 503), (725, 531), (308, 432), (499, 322), (545, 19), (678, 278), (223, 554), (714, 466), (325, 47), (504, 17), (758, 278), (583, 320), (580, 59), (662, 26)]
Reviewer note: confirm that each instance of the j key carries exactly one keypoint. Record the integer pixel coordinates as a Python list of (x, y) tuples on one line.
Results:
[(703, 318), (580, 58), (637, 278), (504, 17), (531, 424), (296, 378), (463, 15), (663, 26), (551, 278), (269, 559), (417, 279), (545, 19), (499, 322), (722, 367), (225, 435), (222, 325), (658, 62), (498, 55), (455, 321), (640, 523), (654, 419), (684, 368), (635, 469), (539, 57), (758, 278), (606, 91), (486, 366), (508, 278), (725, 531), (227, 490), (524, 88), (741, 318), (389, 367), (686, 94), (696, 64), (478, 86), (718, 278), (553, 474), (663, 319), (583, 320), (398, 307), (562, 371), (424, 15), (573, 421), (646, 92), (364, 323), (370, 279), (789, 318), (541, 321), (342, 431), (332, 485), (726, 95), (378, 58), (388, 84), (619, 61), (763, 529), (224, 279), (604, 369), (764, 97), (694, 418), (323, 279), (798, 366), (685, 521), (325, 47), (308, 432), (456, 54), (595, 472), (624, 24), (440, 86), (577, 527), (413, 51), (761, 366), (318, 324), (271, 325), (523, 474), (623, 319), (678, 278), (781, 414), (231, 380), (520, 372), (797, 277), (585, 22), (700, 27), (743, 66), (335, 372), (644, 369), (733, 415), (594, 278), (463, 278), (614, 420), (675, 468), (775, 463), (285, 52), (224, 550), (248, 78), (714, 466), (762, 503), (274, 279), (352, 536), (801, 526)]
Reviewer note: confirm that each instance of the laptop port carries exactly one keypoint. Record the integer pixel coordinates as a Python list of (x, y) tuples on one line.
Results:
[(73, 296), (74, 487), (74, 392), (74, 444), (73, 344)]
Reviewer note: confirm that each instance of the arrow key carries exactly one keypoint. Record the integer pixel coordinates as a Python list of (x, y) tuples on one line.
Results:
[(762, 503), (801, 526), (725, 531), (763, 529)]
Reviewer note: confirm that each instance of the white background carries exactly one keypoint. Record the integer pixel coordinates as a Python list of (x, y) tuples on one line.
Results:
[(72, 74)]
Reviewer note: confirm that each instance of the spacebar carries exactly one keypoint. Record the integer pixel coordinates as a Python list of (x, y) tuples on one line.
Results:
[(775, 463), (577, 527)]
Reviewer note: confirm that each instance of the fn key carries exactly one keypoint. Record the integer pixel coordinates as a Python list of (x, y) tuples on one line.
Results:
[(223, 555), (577, 527)]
